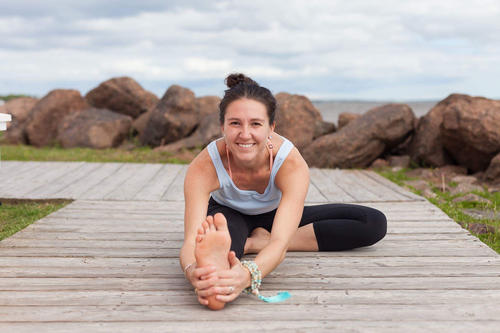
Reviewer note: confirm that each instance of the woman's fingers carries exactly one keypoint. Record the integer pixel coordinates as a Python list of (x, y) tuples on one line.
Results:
[(227, 298), (202, 300)]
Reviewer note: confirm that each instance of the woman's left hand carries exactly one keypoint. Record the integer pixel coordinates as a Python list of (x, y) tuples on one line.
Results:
[(232, 281)]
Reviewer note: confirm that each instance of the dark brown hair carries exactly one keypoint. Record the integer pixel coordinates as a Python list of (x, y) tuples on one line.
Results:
[(241, 86)]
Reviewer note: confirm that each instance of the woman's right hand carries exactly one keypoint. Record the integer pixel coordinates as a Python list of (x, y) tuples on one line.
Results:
[(203, 279)]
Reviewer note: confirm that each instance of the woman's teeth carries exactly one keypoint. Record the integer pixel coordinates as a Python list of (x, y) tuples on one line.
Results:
[(245, 146)]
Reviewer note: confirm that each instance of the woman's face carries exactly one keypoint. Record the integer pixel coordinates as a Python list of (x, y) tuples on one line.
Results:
[(246, 129)]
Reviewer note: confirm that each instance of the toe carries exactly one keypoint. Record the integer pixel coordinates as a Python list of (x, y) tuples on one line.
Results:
[(220, 221), (205, 226), (210, 221)]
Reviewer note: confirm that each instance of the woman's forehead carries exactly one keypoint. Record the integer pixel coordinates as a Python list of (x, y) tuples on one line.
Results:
[(246, 108)]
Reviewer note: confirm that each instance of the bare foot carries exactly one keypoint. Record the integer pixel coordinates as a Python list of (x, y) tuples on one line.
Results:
[(212, 249), (259, 238)]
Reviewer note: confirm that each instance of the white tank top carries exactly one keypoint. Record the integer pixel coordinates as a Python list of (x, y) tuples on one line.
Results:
[(248, 202)]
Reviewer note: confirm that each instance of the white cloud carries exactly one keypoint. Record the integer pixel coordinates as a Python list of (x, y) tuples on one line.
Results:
[(419, 49)]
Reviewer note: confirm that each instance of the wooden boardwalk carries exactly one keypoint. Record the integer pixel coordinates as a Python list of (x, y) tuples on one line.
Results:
[(108, 262)]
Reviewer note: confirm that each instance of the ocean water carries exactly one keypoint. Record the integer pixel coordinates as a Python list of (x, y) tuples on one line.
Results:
[(330, 110)]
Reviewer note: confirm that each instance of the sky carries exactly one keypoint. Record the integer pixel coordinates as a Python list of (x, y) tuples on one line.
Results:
[(348, 50)]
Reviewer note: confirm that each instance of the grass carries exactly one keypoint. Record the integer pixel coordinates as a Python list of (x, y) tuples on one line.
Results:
[(7, 98), (454, 210), (135, 155), (15, 216)]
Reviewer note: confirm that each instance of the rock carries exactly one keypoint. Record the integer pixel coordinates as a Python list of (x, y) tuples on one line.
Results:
[(482, 214), (465, 188), (492, 174), (363, 140), (20, 109), (93, 128), (346, 117), (379, 163), (173, 118), (44, 119), (208, 130), (139, 124), (465, 179), (470, 130), (424, 173), (122, 95), (419, 185), (478, 228), (297, 119), (426, 147), (323, 128), (207, 105), (399, 161), (471, 197)]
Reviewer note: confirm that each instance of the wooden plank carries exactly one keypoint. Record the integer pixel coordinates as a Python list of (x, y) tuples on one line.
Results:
[(393, 326), (314, 195), (91, 175), (375, 176), (185, 297), (175, 191), (135, 180), (385, 192), (159, 184), (351, 185), (331, 312), (328, 188), (49, 181), (269, 283), (22, 176), (371, 251), (111, 183)]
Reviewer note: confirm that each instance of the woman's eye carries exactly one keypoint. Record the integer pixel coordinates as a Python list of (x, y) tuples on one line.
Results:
[(257, 124)]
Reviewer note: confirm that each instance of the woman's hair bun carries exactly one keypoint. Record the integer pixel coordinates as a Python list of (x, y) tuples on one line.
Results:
[(237, 78)]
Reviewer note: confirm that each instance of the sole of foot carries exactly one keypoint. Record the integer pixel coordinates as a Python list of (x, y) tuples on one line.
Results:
[(212, 249)]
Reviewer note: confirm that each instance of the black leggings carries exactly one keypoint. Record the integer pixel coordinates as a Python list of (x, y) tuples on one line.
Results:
[(337, 227)]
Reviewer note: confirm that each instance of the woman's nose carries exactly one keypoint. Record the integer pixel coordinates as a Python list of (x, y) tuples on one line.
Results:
[(245, 132)]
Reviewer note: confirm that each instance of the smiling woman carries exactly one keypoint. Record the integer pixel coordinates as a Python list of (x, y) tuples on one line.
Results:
[(245, 194)]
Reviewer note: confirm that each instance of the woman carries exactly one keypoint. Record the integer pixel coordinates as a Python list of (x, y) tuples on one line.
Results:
[(245, 193)]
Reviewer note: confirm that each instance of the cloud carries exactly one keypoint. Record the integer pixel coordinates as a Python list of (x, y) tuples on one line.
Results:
[(420, 49)]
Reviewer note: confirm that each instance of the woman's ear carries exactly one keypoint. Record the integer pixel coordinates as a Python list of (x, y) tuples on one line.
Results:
[(273, 125)]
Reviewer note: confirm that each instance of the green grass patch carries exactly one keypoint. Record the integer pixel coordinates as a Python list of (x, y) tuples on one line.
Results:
[(454, 210), (15, 216), (135, 155), (7, 98)]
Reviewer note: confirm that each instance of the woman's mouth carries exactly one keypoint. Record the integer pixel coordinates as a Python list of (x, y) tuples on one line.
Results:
[(247, 145)]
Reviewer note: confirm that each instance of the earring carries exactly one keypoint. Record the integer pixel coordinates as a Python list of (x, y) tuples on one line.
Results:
[(270, 144)]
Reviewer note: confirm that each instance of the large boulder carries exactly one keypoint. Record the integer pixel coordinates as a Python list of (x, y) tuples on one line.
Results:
[(426, 146), (20, 109), (492, 174), (471, 131), (93, 128), (297, 119), (346, 117), (44, 119), (362, 140), (173, 118), (207, 131), (122, 95), (207, 105)]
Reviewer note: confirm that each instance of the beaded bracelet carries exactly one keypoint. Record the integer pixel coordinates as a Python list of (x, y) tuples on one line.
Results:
[(188, 265), (256, 277), (257, 281)]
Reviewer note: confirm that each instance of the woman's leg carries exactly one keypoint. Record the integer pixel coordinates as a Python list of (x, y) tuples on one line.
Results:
[(236, 223), (340, 227)]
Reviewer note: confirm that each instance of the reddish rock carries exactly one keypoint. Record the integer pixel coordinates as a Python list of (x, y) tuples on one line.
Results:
[(323, 128), (93, 128), (139, 124), (122, 95), (44, 119), (207, 131), (173, 118), (207, 105), (346, 117), (379, 163), (492, 174), (470, 130), (364, 139), (296, 119), (426, 146), (399, 161), (20, 109)]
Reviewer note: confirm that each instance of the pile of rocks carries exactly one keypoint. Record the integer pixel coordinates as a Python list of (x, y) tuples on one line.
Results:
[(460, 130)]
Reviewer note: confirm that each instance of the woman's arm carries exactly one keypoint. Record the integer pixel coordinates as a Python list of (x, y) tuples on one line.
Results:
[(293, 181), (201, 179)]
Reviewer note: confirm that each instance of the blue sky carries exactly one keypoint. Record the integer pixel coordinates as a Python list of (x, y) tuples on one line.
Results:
[(373, 50)]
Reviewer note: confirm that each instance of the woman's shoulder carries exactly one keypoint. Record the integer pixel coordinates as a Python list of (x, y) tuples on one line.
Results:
[(202, 167)]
